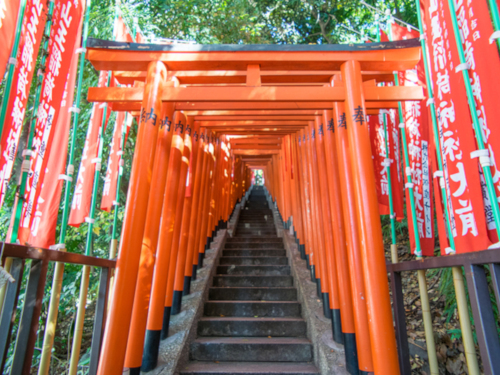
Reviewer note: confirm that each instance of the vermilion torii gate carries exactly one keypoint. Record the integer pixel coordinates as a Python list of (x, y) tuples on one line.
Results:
[(254, 97)]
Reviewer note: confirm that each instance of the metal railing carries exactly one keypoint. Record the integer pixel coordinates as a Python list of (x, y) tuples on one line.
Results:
[(33, 297), (475, 265)]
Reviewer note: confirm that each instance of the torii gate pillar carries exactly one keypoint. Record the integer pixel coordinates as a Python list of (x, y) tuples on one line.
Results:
[(385, 357)]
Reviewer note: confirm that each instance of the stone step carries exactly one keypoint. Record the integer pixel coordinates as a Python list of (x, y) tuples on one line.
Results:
[(253, 253), (253, 239), (255, 245), (253, 309), (251, 327), (255, 232), (246, 368), (260, 220), (254, 261), (255, 225), (253, 294), (252, 281), (257, 214), (252, 349), (253, 270)]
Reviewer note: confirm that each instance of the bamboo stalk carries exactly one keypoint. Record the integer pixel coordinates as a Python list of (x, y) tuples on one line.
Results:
[(112, 255), (50, 326), (80, 316), (48, 340), (427, 319), (12, 65), (465, 326)]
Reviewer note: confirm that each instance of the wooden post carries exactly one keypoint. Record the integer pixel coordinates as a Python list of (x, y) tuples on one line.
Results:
[(196, 210), (343, 158), (120, 312), (156, 304), (135, 344), (384, 351)]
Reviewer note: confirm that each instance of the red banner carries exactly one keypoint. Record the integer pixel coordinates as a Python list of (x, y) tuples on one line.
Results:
[(9, 10), (460, 172), (416, 118), (440, 214), (114, 167), (44, 223), (418, 139), (31, 36), (475, 28), (381, 159), (109, 191), (66, 21), (82, 197)]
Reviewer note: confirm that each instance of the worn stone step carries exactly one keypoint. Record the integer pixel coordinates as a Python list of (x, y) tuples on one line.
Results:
[(256, 215), (253, 270), (255, 245), (252, 281), (251, 349), (247, 368), (251, 327), (255, 225), (261, 221), (254, 309), (256, 232), (254, 239), (253, 253), (254, 261), (253, 294)]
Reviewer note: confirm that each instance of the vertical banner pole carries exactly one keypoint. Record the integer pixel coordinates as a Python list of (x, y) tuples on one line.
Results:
[(387, 161), (115, 235), (394, 246), (12, 64), (77, 337), (462, 306)]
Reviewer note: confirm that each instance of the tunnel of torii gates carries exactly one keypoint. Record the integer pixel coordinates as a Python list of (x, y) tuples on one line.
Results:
[(224, 111)]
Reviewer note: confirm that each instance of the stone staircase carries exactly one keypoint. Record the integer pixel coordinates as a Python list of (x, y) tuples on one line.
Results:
[(252, 321)]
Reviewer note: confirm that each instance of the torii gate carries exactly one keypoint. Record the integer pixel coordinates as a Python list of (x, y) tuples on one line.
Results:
[(255, 95)]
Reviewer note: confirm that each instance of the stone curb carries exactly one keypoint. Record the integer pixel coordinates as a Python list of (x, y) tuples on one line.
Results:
[(174, 351)]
